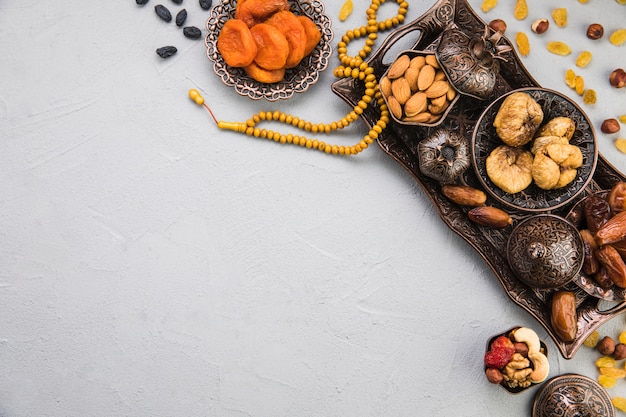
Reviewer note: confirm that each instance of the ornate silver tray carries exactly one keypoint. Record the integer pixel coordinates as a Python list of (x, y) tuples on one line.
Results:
[(572, 395), (296, 80), (401, 143)]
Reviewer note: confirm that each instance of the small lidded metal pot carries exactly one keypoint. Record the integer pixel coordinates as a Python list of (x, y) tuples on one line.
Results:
[(471, 60), (545, 251)]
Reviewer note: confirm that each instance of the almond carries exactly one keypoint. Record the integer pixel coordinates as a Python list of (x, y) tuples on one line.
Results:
[(426, 77), (432, 61), (394, 107), (423, 117), (416, 104), (417, 62), (398, 67), (440, 75), (411, 76), (437, 88), (385, 86), (401, 90), (439, 101), (451, 94)]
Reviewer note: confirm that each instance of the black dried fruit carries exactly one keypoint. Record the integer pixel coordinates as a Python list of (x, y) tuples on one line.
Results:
[(206, 4), (181, 17), (192, 32), (178, 1), (163, 12), (166, 51), (141, 2)]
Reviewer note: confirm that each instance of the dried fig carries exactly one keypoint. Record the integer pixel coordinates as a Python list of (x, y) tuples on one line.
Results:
[(558, 126), (541, 141), (545, 171), (517, 119), (510, 168), (567, 156), (555, 165)]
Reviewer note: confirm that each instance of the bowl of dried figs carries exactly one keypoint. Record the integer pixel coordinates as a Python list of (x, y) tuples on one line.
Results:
[(516, 360), (417, 90), (269, 49), (534, 150)]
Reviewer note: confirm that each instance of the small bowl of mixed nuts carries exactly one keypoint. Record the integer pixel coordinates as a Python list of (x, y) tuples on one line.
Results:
[(534, 150), (516, 360), (416, 90)]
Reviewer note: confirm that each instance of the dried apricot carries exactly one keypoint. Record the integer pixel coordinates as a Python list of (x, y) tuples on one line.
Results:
[(265, 76), (488, 5), (313, 34), (618, 37), (521, 10), (523, 45), (257, 11), (592, 340), (607, 381), (272, 46), (560, 16), (584, 58), (236, 44), (290, 26), (559, 48)]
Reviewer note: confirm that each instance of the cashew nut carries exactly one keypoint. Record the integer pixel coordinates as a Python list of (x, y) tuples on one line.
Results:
[(528, 336), (541, 366)]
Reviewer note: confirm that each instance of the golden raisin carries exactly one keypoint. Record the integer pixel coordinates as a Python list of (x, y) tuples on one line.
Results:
[(621, 1), (607, 381), (620, 144), (523, 45), (559, 48), (570, 78), (592, 340), (521, 10), (617, 373), (560, 16), (584, 58), (488, 5), (618, 37), (606, 362), (590, 96), (579, 85), (622, 119), (619, 402), (345, 10)]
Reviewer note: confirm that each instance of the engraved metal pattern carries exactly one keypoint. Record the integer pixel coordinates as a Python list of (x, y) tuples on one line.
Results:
[(583, 280), (296, 80), (572, 395), (533, 198), (433, 159), (545, 251), (465, 71), (401, 143)]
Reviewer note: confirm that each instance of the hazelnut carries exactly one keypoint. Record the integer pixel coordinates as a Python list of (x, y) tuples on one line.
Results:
[(595, 31), (618, 78), (521, 348), (610, 126), (494, 375), (498, 25), (606, 346), (540, 25), (620, 352)]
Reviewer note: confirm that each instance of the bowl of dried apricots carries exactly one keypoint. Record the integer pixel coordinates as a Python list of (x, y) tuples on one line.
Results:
[(269, 49)]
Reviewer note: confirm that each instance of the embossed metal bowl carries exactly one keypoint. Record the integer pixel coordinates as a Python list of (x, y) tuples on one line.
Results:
[(533, 198), (296, 80), (411, 54), (516, 390), (584, 280), (572, 395), (545, 251)]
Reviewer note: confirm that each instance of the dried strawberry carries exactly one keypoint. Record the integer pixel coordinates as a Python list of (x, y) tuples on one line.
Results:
[(498, 358), (502, 342)]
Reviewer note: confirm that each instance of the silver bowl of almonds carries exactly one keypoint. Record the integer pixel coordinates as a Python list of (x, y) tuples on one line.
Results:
[(417, 90), (534, 149)]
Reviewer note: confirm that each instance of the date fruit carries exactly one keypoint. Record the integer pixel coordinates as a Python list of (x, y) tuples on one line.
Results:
[(613, 230), (597, 212), (490, 217), (617, 197), (590, 262), (602, 278), (615, 266), (464, 195), (563, 315)]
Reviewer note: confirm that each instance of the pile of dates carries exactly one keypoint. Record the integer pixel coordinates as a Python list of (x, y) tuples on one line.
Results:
[(602, 224), (517, 359)]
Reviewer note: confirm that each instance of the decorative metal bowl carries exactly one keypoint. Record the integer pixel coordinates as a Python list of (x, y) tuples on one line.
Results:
[(296, 80), (572, 395), (545, 251), (411, 54), (533, 198), (516, 390), (586, 282)]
